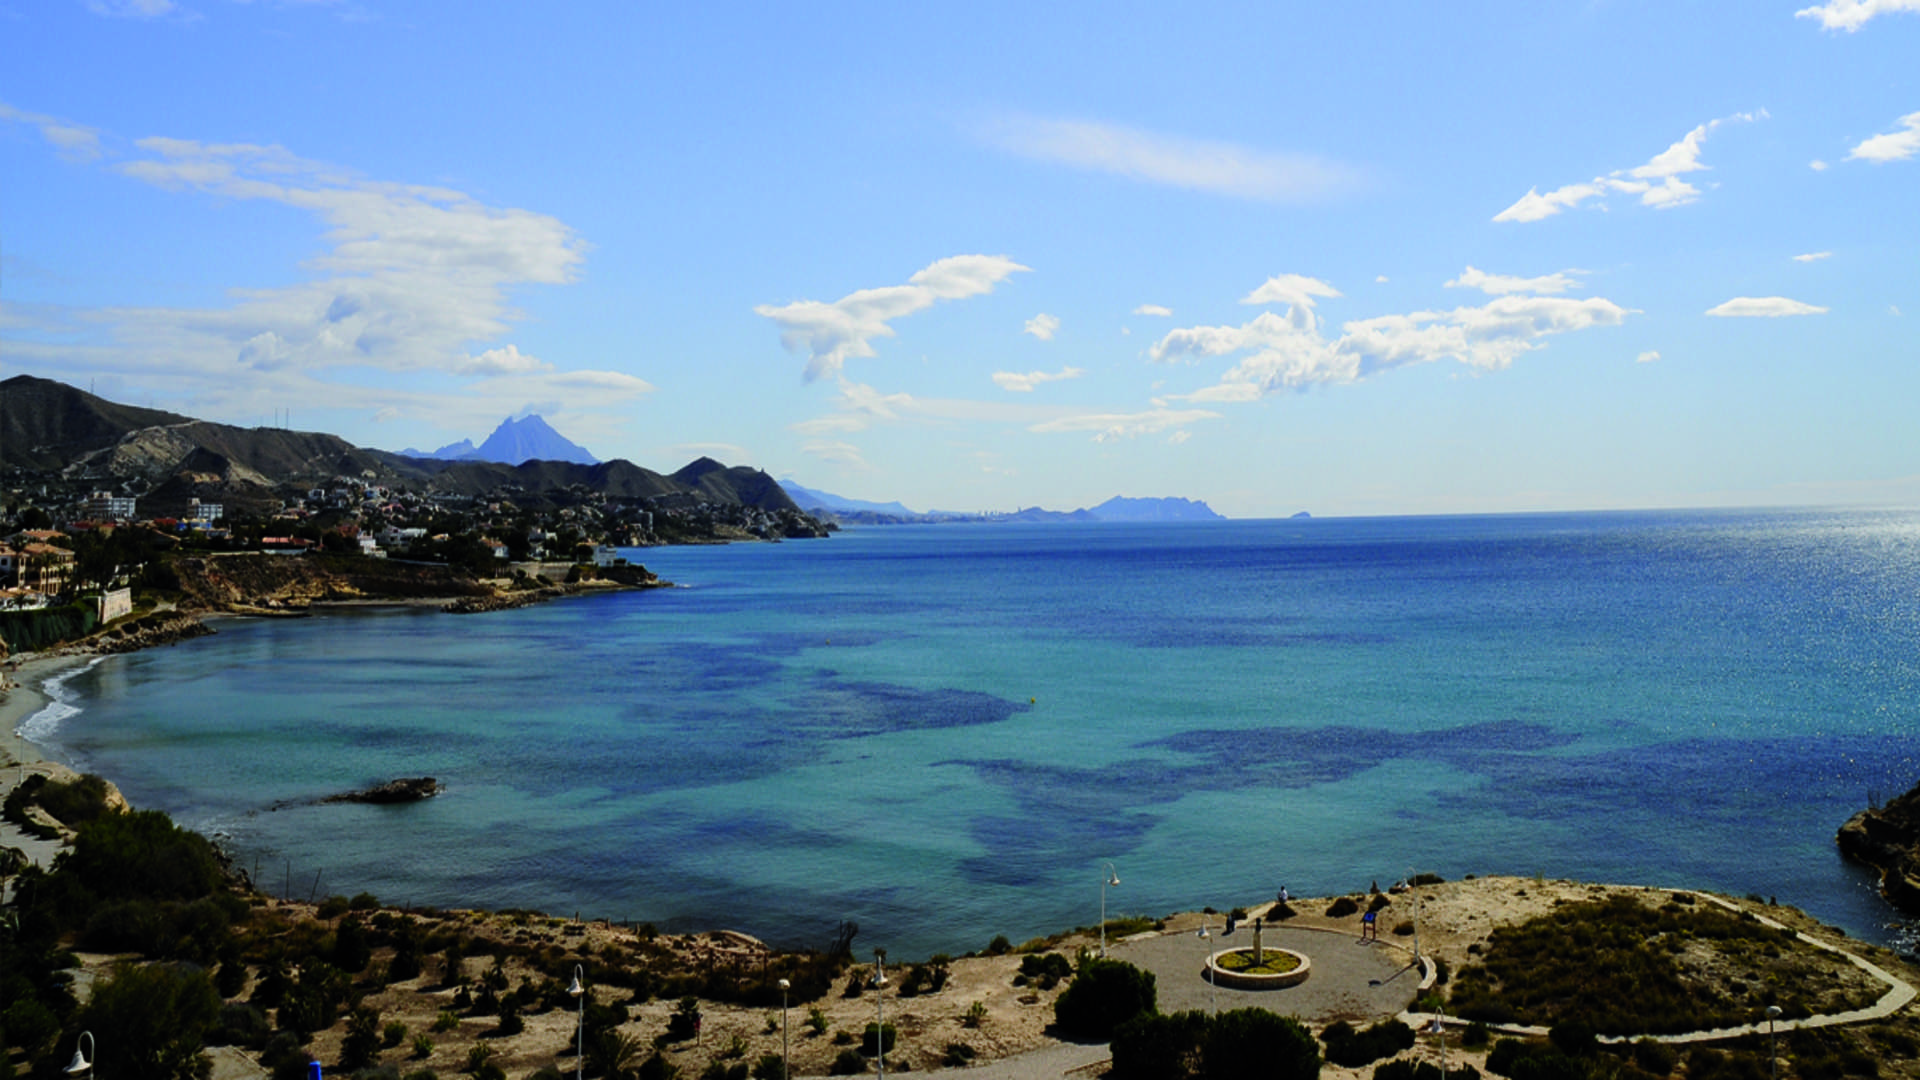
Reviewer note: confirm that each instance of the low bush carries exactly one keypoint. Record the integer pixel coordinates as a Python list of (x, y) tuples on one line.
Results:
[(1351, 1049), (848, 1063), (1342, 907), (1104, 995)]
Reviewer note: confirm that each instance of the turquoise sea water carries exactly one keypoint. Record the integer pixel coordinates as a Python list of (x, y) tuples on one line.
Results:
[(942, 733)]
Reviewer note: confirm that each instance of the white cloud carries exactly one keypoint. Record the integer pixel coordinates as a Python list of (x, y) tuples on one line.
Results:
[(1292, 289), (1289, 352), (1179, 437), (1220, 168), (1817, 165), (1380, 279), (1657, 183), (1647, 357), (74, 142), (1892, 146), (836, 423), (833, 332), (1110, 426), (1893, 309), (1813, 256), (1155, 310), (1024, 384), (132, 9), (506, 360), (843, 454), (1501, 284), (1763, 307), (1851, 15), (410, 278), (1042, 326)]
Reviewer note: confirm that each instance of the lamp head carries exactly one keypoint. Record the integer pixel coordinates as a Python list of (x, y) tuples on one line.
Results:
[(1113, 879), (785, 985), (575, 988), (1773, 1013)]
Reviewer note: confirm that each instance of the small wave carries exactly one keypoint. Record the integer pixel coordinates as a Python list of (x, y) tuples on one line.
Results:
[(41, 725)]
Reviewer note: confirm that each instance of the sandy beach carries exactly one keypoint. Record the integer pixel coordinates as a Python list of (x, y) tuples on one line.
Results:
[(19, 757)]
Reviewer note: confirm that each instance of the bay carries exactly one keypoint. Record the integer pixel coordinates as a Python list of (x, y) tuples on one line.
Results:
[(944, 733)]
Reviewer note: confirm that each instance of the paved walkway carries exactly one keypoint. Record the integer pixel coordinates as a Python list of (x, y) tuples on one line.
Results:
[(1351, 980)]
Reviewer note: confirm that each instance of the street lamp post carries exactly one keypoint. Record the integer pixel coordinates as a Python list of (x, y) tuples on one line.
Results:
[(1112, 878), (1773, 1044), (1206, 971), (81, 1065), (579, 989), (879, 1005), (785, 1069)]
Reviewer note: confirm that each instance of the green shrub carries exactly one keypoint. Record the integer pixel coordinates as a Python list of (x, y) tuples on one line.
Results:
[(1104, 995), (957, 1055), (1342, 907), (1155, 1047), (999, 946), (817, 1021), (152, 1021), (141, 856), (848, 1063), (1255, 1042), (877, 1040), (333, 907), (770, 1067), (1352, 1049), (361, 1047)]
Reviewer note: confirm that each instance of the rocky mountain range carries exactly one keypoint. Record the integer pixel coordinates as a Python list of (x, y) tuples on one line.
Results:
[(52, 433)]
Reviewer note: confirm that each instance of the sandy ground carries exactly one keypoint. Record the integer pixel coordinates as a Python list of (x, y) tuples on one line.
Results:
[(20, 758)]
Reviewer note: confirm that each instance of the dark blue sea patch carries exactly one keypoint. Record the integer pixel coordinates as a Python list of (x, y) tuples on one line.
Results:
[(1065, 809)]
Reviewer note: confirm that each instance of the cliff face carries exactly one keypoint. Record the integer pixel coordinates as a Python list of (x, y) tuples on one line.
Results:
[(1887, 838)]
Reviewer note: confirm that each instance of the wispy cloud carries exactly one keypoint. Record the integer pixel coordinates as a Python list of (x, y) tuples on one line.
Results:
[(1156, 310), (1763, 307), (1851, 15), (833, 332), (1892, 146), (1647, 357), (1220, 168), (411, 279), (1813, 256), (1289, 352), (1657, 183), (1502, 284), (74, 142), (1291, 289), (132, 9), (1108, 427), (1024, 384), (833, 452), (1042, 326)]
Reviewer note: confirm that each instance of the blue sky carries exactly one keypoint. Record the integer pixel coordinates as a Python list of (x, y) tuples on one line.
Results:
[(1355, 259)]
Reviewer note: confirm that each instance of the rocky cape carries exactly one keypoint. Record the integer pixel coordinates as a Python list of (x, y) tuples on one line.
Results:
[(1887, 838)]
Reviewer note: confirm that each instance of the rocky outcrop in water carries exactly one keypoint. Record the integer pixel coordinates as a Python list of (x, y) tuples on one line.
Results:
[(404, 790), (1887, 838)]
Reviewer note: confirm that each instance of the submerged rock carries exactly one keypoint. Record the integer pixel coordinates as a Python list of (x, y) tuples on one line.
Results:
[(406, 789)]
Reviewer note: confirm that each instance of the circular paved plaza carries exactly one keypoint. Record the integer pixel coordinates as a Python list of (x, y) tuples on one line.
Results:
[(1352, 980)]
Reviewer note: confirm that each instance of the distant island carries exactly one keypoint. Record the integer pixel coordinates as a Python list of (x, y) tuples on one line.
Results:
[(842, 510)]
